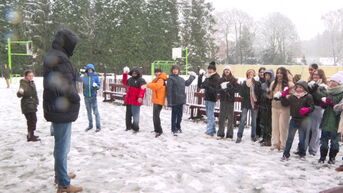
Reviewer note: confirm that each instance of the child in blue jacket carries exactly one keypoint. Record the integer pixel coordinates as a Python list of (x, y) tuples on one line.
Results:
[(91, 84)]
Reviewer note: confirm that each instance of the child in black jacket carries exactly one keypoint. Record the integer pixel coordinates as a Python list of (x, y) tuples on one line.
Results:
[(301, 105)]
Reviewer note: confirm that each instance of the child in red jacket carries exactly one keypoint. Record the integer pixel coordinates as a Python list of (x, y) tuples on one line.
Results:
[(135, 91)]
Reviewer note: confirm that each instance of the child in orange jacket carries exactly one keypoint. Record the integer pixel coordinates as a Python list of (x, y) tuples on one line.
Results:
[(158, 88)]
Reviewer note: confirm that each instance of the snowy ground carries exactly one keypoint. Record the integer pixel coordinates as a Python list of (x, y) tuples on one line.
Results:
[(118, 161)]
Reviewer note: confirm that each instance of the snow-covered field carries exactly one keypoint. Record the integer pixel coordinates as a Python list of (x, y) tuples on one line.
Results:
[(118, 161)]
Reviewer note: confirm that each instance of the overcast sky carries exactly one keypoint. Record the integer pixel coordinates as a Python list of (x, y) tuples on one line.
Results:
[(305, 14)]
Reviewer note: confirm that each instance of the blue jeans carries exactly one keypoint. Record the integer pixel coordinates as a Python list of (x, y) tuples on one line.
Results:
[(302, 126), (176, 118), (92, 104), (62, 134), (244, 116), (132, 112), (211, 124)]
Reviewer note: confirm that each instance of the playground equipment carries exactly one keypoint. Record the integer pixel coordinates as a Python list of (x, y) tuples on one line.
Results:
[(29, 52), (165, 65)]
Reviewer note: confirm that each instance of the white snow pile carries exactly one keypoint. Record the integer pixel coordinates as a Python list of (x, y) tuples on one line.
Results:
[(114, 160)]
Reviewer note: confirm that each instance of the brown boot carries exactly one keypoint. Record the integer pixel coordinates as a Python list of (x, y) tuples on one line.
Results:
[(71, 176), (340, 168), (69, 189)]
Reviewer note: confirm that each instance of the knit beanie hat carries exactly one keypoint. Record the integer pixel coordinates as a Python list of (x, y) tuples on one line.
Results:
[(212, 66)]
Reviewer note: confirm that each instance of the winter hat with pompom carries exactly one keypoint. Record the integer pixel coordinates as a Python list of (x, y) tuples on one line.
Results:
[(212, 66)]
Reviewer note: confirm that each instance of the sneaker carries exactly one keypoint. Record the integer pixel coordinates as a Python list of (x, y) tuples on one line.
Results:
[(303, 158), (208, 136), (274, 147), (266, 143), (220, 137), (321, 160), (158, 134), (69, 189), (296, 152), (253, 139), (175, 134), (284, 158), (331, 161), (261, 141), (238, 140), (98, 129), (179, 131), (88, 128)]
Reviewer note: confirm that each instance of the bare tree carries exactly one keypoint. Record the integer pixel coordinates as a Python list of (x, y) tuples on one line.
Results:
[(224, 25), (334, 26), (236, 26), (280, 39)]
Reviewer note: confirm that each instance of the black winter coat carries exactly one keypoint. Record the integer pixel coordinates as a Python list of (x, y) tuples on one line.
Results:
[(29, 99), (245, 94), (316, 98), (176, 94), (296, 104), (211, 86), (61, 101), (228, 94)]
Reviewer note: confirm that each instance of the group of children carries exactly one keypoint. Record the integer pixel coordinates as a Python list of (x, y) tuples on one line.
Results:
[(279, 105)]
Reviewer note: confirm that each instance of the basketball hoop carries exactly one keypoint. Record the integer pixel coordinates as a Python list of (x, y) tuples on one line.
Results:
[(176, 53), (34, 55)]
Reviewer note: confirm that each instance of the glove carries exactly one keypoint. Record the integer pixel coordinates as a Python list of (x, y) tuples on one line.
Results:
[(327, 101), (223, 85), (277, 95), (21, 91), (304, 110), (82, 70), (126, 70), (143, 86), (202, 72), (191, 73), (311, 84), (95, 84), (285, 91)]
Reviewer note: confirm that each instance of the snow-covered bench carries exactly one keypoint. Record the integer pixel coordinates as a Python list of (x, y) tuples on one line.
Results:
[(116, 92), (199, 109)]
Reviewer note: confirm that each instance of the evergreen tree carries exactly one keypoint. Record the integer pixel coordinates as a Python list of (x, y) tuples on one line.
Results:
[(197, 31)]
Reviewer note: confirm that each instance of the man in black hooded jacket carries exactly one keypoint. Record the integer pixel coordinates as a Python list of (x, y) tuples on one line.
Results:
[(211, 86), (61, 101)]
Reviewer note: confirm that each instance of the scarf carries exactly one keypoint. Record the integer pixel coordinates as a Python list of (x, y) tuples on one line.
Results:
[(207, 75), (253, 98), (299, 95), (335, 90)]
